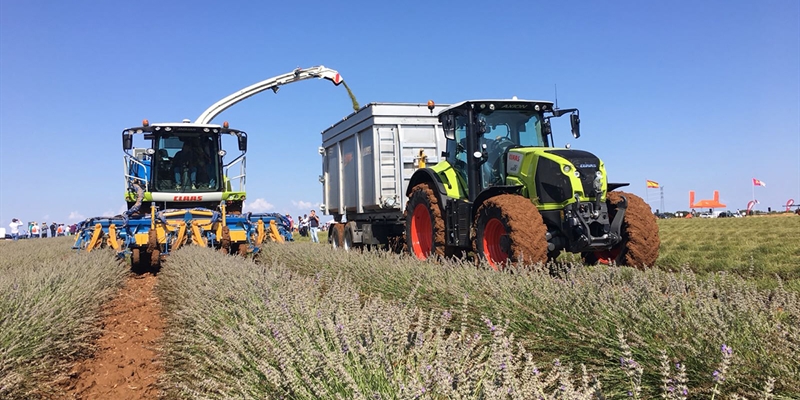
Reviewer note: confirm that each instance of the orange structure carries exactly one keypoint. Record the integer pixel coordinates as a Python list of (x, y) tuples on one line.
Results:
[(705, 203)]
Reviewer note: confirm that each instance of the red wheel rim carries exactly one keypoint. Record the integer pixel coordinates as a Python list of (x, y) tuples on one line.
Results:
[(421, 232), (607, 257), (492, 251)]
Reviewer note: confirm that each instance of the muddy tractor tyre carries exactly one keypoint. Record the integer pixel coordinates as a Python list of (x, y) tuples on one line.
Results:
[(510, 229), (640, 240), (424, 234), (243, 249), (336, 236)]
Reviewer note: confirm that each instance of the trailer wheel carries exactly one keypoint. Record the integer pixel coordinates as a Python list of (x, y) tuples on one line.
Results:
[(336, 237), (347, 241), (424, 223), (510, 229), (640, 240)]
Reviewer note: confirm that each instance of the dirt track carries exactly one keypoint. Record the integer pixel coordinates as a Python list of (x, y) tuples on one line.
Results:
[(126, 364)]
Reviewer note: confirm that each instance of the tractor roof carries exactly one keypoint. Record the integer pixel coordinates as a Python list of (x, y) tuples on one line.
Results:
[(498, 101)]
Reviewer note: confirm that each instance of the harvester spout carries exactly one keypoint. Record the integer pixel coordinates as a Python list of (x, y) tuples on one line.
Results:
[(299, 74)]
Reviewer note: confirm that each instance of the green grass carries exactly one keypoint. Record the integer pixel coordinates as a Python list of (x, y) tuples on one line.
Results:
[(761, 248), (50, 299)]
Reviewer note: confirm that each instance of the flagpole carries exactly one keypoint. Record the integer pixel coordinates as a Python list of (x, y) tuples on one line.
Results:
[(754, 191), (646, 192)]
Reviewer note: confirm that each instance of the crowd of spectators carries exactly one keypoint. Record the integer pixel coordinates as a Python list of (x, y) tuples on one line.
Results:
[(35, 230)]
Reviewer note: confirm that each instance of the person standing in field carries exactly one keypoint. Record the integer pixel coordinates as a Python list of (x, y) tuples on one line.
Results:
[(313, 224), (14, 225), (43, 230), (34, 230), (53, 228)]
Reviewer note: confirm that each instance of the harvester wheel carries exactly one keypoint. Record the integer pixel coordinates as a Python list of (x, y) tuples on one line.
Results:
[(336, 233), (510, 229), (155, 258), (640, 240), (424, 223), (135, 257)]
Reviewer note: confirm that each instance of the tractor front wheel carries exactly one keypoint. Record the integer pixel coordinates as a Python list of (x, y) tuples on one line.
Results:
[(510, 229), (424, 234), (640, 240)]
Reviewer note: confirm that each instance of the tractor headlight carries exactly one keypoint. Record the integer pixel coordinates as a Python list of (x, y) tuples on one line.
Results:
[(150, 151), (222, 153), (566, 169)]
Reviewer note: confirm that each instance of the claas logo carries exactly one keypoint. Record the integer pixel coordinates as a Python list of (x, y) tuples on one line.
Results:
[(187, 198)]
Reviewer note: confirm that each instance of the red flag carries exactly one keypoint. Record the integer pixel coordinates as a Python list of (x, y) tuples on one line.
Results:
[(757, 182)]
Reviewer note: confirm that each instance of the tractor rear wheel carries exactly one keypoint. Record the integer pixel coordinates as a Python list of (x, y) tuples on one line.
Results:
[(424, 234), (510, 229), (640, 240), (336, 233)]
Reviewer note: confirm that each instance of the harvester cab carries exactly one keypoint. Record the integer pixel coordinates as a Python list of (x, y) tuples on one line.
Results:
[(504, 192), (182, 187), (183, 166)]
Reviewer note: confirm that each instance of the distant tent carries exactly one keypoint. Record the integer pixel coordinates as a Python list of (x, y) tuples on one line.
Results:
[(705, 203)]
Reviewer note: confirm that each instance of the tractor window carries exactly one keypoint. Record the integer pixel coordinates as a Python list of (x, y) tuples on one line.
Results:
[(506, 129), (457, 149)]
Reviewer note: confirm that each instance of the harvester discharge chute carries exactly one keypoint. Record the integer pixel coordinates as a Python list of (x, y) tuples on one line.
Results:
[(181, 190)]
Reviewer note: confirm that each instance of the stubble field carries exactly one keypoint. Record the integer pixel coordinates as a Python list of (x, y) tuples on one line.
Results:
[(717, 317)]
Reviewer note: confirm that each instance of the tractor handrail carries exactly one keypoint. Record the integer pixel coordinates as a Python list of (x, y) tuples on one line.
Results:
[(273, 83)]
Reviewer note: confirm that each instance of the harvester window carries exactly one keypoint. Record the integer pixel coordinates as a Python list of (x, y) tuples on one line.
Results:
[(191, 163)]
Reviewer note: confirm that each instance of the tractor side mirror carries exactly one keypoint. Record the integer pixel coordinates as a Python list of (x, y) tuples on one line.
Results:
[(242, 138), (575, 121), (449, 127), (127, 141)]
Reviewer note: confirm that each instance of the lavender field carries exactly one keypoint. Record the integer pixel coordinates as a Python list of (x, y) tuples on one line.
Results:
[(717, 317)]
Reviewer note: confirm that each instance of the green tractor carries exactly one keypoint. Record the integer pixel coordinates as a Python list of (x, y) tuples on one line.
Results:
[(505, 193)]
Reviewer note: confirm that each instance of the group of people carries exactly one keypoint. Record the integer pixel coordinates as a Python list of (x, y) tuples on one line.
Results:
[(307, 224), (36, 230)]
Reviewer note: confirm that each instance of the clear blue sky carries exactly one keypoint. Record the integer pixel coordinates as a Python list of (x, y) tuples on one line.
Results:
[(696, 95)]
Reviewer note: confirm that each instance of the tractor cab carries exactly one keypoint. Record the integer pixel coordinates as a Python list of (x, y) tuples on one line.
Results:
[(183, 165), (480, 134)]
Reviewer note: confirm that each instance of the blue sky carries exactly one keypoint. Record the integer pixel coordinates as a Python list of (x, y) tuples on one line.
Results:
[(695, 95)]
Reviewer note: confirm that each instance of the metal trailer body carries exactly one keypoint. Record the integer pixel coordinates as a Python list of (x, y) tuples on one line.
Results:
[(367, 161)]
